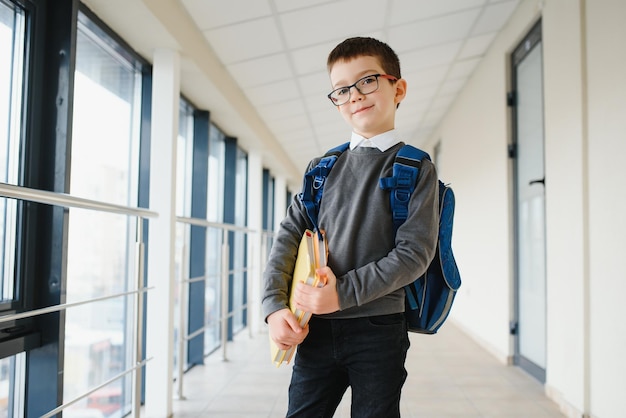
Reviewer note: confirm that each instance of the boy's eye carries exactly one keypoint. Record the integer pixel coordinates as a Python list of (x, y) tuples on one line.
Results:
[(342, 91), (367, 80)]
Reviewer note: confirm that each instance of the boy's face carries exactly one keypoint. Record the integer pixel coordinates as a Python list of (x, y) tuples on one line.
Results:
[(370, 114)]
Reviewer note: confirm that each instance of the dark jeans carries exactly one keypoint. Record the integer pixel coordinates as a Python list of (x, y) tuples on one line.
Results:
[(366, 354)]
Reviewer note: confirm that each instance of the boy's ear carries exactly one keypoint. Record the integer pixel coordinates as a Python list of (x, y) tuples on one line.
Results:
[(400, 90)]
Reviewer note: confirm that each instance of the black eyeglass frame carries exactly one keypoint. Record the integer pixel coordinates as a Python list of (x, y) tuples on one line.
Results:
[(386, 76)]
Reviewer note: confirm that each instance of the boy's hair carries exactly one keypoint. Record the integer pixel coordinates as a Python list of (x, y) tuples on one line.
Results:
[(362, 46)]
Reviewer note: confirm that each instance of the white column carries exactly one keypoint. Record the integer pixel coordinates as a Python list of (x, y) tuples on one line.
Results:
[(160, 307), (280, 201), (255, 221)]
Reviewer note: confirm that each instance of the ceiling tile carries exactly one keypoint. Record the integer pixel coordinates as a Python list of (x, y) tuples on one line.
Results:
[(300, 140), (462, 69), (290, 124), (403, 11), (335, 132), (287, 5), (426, 92), (494, 17), (233, 43), (435, 75), (209, 14), (315, 84), (434, 31), (451, 87), (441, 104), (261, 71), (413, 105), (273, 92), (302, 150), (335, 20), (312, 59), (317, 103), (296, 139), (476, 45), (328, 115), (280, 111), (430, 57)]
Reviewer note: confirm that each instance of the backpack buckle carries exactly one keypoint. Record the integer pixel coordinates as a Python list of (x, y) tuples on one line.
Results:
[(402, 195), (318, 182)]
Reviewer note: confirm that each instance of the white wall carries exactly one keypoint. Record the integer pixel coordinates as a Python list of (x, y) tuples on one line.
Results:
[(606, 159), (474, 136), (565, 202), (585, 149)]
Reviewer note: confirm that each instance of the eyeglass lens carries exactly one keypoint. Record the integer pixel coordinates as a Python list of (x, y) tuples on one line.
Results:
[(365, 85)]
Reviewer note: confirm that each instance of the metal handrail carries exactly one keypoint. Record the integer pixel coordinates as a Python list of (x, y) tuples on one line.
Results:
[(206, 277), (185, 280), (209, 224), (64, 306), (68, 201), (200, 330), (60, 408)]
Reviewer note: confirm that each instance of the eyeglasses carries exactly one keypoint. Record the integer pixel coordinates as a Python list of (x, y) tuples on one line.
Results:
[(365, 85)]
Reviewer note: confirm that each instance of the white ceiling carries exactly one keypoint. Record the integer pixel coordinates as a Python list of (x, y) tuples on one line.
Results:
[(276, 51), (259, 66)]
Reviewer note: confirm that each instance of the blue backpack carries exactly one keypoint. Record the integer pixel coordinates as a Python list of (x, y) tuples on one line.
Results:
[(429, 298)]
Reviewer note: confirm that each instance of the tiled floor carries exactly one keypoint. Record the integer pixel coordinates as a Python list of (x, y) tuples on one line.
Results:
[(449, 376)]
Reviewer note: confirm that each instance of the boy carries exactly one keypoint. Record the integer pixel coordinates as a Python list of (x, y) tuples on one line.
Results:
[(357, 336)]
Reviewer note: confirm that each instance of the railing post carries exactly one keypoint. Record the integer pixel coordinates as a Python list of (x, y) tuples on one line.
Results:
[(136, 397), (225, 292), (251, 271), (182, 330)]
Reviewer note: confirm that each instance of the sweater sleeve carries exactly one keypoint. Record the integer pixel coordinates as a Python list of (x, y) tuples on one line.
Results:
[(278, 273), (415, 246)]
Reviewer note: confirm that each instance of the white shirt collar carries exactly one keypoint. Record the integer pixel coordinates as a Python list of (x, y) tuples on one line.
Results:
[(382, 141)]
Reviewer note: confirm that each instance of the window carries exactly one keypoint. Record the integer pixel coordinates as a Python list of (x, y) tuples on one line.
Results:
[(240, 241), (12, 48), (105, 158), (215, 213), (184, 166)]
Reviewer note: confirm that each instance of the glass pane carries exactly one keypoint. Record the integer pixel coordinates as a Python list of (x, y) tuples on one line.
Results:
[(105, 145), (11, 76), (239, 245), (9, 398), (215, 213), (531, 209), (184, 166)]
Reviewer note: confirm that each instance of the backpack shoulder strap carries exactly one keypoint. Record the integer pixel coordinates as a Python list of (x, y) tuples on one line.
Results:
[(313, 183), (406, 168), (405, 173)]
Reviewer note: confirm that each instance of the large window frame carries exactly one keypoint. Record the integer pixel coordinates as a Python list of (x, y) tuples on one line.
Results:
[(41, 120), (35, 353), (101, 261)]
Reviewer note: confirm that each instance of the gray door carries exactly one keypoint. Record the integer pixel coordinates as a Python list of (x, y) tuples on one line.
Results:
[(529, 189)]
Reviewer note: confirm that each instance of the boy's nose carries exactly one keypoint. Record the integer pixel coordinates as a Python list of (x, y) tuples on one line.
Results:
[(355, 94)]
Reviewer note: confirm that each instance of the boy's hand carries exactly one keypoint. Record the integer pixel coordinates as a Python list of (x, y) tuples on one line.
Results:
[(318, 300), (285, 329)]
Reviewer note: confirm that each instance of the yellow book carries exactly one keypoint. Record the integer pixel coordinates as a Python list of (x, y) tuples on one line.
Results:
[(312, 254)]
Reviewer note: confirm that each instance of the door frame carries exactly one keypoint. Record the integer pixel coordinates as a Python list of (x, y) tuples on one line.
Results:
[(525, 46)]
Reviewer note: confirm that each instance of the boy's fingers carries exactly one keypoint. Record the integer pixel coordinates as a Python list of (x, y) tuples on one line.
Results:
[(327, 274), (293, 322)]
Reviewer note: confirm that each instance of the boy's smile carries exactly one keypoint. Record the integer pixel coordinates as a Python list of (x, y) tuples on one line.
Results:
[(362, 109), (368, 114)]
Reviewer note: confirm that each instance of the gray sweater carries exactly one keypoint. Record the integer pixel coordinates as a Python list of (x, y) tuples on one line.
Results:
[(371, 267)]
